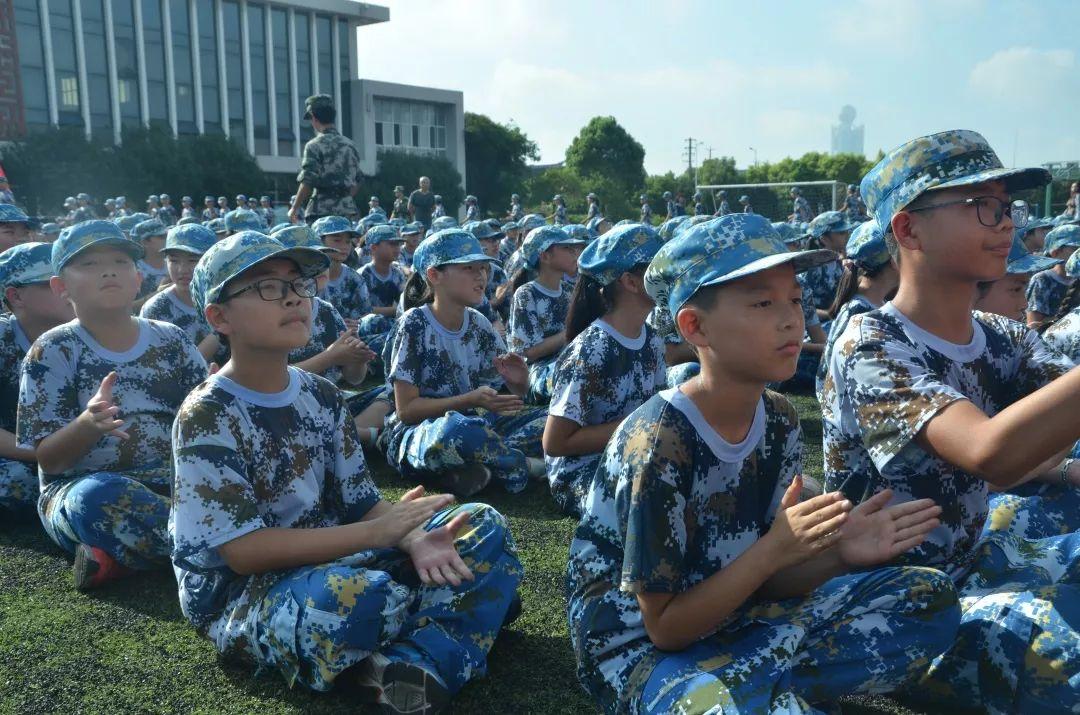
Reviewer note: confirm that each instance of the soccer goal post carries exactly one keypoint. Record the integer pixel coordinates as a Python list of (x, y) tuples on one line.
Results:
[(774, 200)]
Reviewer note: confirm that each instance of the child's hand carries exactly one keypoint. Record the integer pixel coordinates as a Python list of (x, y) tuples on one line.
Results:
[(351, 324), (412, 511), (487, 398), (348, 349), (875, 534), (434, 556), (101, 413), (513, 369), (804, 529)]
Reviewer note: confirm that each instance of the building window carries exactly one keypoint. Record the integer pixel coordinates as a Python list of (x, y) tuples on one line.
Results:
[(279, 26), (260, 96), (182, 69), (304, 68), (208, 65), (325, 38), (31, 64), (234, 72), (97, 68), (154, 52), (345, 110), (67, 79), (415, 127)]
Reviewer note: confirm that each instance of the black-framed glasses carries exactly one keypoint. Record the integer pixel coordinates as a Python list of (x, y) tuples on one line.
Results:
[(989, 209), (271, 289)]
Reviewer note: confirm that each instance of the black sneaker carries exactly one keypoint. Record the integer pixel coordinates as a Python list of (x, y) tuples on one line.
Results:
[(468, 479), (401, 687)]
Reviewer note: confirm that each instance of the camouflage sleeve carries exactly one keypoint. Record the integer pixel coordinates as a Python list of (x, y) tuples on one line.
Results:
[(892, 392), (156, 309), (524, 330), (490, 346), (784, 430), (1039, 364), (213, 501), (1039, 295), (353, 488), (566, 389), (809, 309), (48, 393), (408, 355), (193, 369), (309, 165), (660, 376), (651, 457), (363, 297)]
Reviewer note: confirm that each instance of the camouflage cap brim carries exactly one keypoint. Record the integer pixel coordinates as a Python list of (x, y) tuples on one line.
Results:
[(468, 258), (1031, 263), (1015, 179), (801, 261), (124, 244)]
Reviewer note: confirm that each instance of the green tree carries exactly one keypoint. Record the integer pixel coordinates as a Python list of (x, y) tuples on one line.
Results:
[(405, 169), (603, 150), (543, 186), (496, 157)]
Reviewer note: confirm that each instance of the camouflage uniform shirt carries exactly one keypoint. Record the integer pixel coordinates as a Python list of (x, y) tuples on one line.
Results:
[(822, 282), (13, 347), (327, 326), (1064, 335), (536, 313), (383, 291), (348, 293), (887, 379), (331, 166), (166, 307), (1045, 291)]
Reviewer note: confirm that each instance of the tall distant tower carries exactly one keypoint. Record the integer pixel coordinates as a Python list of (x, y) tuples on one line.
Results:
[(846, 137)]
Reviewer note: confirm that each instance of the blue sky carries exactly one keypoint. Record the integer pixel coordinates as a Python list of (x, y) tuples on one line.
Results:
[(772, 75)]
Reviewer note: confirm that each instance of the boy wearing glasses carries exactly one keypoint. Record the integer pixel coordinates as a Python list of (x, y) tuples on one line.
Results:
[(97, 398), (25, 271), (284, 551), (934, 401)]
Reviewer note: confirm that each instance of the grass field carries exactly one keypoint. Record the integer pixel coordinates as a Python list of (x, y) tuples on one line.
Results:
[(126, 648)]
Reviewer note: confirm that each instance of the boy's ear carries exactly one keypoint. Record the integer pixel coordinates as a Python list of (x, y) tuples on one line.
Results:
[(217, 318), (432, 275), (11, 297), (688, 320), (58, 287), (905, 231)]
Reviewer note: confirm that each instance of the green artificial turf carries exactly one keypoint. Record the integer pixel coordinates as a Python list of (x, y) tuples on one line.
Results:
[(127, 648)]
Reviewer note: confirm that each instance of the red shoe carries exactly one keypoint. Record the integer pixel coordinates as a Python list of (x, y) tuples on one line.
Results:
[(94, 567)]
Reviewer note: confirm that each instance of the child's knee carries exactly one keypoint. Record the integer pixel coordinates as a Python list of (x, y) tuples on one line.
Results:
[(96, 490)]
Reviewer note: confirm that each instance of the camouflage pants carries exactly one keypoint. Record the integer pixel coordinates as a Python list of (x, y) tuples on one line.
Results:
[(501, 442), (18, 485), (1018, 646), (862, 633), (373, 330), (678, 374), (1035, 510), (120, 515), (316, 621)]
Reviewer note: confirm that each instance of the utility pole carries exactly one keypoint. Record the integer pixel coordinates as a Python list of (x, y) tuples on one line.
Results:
[(709, 149), (689, 154)]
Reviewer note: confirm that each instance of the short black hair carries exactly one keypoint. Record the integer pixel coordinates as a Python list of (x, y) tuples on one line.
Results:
[(325, 115)]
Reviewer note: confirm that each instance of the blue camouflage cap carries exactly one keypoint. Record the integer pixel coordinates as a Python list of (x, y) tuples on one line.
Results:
[(278, 226), (73, 240), (789, 233), (192, 238), (451, 245), (299, 236), (1022, 261), (231, 256), (945, 160), (578, 231), (1062, 236), (49, 229), (1072, 266), (719, 251), (217, 225), (829, 221), (333, 224), (367, 222), (1032, 224), (126, 223), (531, 221), (541, 239), (444, 222), (691, 221), (594, 224), (667, 228), (10, 213), (26, 263), (1064, 220), (866, 246), (482, 230), (184, 220), (510, 226), (618, 251), (397, 221), (412, 229), (148, 229), (243, 220), (381, 234)]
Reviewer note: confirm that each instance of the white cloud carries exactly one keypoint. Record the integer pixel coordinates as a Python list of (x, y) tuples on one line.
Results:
[(1019, 75)]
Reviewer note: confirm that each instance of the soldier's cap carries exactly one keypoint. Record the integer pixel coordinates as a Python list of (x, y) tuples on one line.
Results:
[(667, 195), (299, 236), (368, 221), (470, 197), (412, 229), (73, 240), (689, 223), (721, 192), (400, 189), (333, 224), (483, 231), (379, 210), (1062, 236), (121, 201), (185, 220), (110, 202), (578, 231), (243, 220), (531, 221), (789, 233), (618, 251), (317, 101), (241, 197), (514, 197), (444, 222), (509, 226), (829, 221), (50, 229), (10, 213), (866, 246), (744, 199), (222, 198), (1022, 261), (82, 196), (594, 224), (438, 199), (667, 228), (374, 198), (69, 201), (230, 257), (126, 223), (851, 187), (25, 264), (151, 197), (590, 195), (557, 197), (277, 227), (643, 197), (163, 197), (217, 225), (698, 195), (541, 239), (720, 251), (449, 246), (265, 198), (209, 198), (1032, 224), (148, 229), (945, 160), (382, 233), (190, 238), (185, 199), (1072, 266)]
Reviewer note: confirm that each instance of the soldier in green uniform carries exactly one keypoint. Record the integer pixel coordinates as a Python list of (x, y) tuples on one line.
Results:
[(330, 168)]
